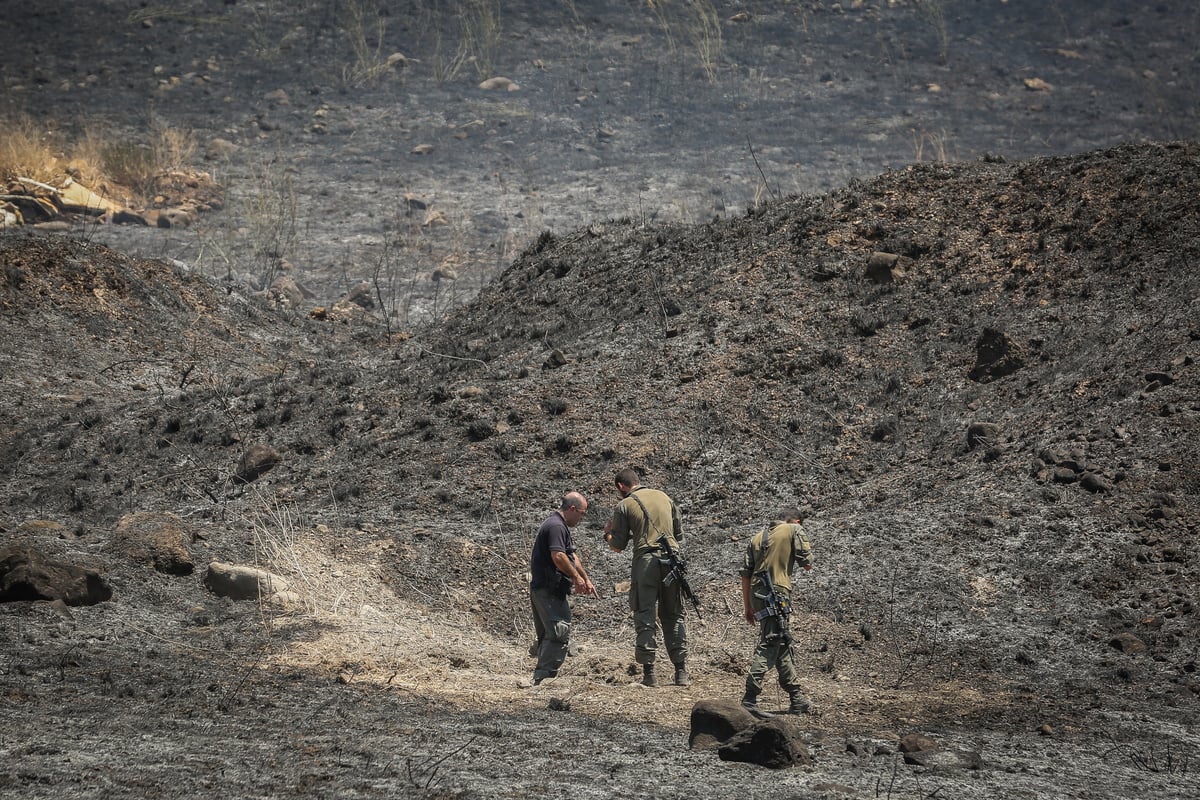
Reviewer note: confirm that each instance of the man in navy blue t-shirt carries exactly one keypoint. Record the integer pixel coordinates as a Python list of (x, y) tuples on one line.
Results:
[(557, 570)]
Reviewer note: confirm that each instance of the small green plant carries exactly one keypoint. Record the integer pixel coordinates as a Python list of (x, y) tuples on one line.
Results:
[(698, 24), (933, 13), (465, 32), (363, 26)]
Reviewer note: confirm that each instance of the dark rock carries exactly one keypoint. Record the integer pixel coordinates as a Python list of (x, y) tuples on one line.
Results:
[(1064, 475), (982, 433), (127, 217), (773, 744), (917, 742), (1156, 380), (713, 722), (996, 355), (258, 460), (887, 267), (1127, 642), (1095, 483), (27, 574), (362, 295), (555, 360), (158, 539)]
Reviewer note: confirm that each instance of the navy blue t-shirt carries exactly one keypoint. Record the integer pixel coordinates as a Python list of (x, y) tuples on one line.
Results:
[(552, 535)]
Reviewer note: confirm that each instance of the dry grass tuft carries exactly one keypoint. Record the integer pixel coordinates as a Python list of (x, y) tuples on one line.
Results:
[(27, 150), (109, 163)]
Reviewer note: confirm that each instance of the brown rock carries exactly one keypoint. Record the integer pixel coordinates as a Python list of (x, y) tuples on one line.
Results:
[(159, 539), (28, 574), (258, 460), (714, 722)]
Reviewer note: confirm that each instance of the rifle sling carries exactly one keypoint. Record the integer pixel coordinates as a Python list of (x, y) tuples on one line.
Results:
[(769, 584), (662, 537)]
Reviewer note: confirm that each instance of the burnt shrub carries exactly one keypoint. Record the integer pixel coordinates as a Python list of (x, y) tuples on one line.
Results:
[(480, 429), (554, 406)]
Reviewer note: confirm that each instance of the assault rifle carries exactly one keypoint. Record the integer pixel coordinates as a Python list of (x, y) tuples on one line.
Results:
[(775, 606), (678, 572)]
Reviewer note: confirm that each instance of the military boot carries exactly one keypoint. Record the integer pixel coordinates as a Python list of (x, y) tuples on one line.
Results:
[(750, 703), (648, 675), (799, 704), (682, 678)]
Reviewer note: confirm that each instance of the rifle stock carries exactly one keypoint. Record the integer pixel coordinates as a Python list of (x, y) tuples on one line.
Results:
[(679, 573), (775, 607)]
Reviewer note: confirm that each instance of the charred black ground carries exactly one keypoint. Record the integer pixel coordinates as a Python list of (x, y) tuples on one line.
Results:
[(980, 377), (993, 434)]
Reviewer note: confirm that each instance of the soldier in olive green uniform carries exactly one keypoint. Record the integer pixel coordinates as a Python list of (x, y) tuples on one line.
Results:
[(774, 552), (644, 516)]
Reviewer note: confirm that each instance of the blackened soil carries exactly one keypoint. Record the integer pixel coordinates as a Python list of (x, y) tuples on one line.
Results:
[(979, 376)]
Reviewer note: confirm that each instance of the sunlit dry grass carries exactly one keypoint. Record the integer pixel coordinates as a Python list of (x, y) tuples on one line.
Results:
[(35, 151), (27, 150)]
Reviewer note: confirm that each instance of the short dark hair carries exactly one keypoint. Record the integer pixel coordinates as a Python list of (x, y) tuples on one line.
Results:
[(628, 476), (792, 513)]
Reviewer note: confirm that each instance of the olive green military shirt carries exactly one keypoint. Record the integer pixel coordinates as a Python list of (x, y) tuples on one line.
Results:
[(629, 523), (787, 547)]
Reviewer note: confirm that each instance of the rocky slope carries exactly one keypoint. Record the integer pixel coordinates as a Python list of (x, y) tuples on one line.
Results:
[(980, 378)]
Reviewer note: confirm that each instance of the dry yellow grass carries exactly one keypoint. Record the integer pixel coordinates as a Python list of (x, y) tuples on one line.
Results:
[(27, 150), (34, 151)]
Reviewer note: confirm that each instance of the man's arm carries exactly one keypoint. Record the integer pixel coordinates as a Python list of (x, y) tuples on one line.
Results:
[(747, 609), (572, 567), (801, 548), (616, 530)]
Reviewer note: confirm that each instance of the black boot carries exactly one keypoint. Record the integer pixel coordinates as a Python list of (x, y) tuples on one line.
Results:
[(648, 675), (750, 703), (682, 678), (799, 704)]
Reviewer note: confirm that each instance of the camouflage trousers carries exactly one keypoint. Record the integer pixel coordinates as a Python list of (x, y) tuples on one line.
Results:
[(654, 605), (772, 651)]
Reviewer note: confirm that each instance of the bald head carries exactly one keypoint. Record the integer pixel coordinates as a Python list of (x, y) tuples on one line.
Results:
[(572, 509)]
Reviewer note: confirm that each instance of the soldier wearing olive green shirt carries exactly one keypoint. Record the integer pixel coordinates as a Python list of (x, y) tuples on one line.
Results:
[(644, 517), (774, 553)]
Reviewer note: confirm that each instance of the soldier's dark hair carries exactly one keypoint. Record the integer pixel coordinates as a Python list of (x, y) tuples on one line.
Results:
[(628, 476), (792, 513)]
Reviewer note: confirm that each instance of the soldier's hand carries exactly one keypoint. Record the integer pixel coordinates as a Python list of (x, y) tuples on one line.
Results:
[(749, 614)]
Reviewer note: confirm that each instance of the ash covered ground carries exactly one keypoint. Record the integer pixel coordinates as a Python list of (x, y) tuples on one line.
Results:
[(979, 376)]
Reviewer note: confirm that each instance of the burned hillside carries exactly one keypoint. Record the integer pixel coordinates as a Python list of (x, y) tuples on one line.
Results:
[(979, 378), (984, 370)]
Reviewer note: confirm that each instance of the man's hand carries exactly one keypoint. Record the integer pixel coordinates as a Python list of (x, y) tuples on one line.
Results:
[(749, 615)]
